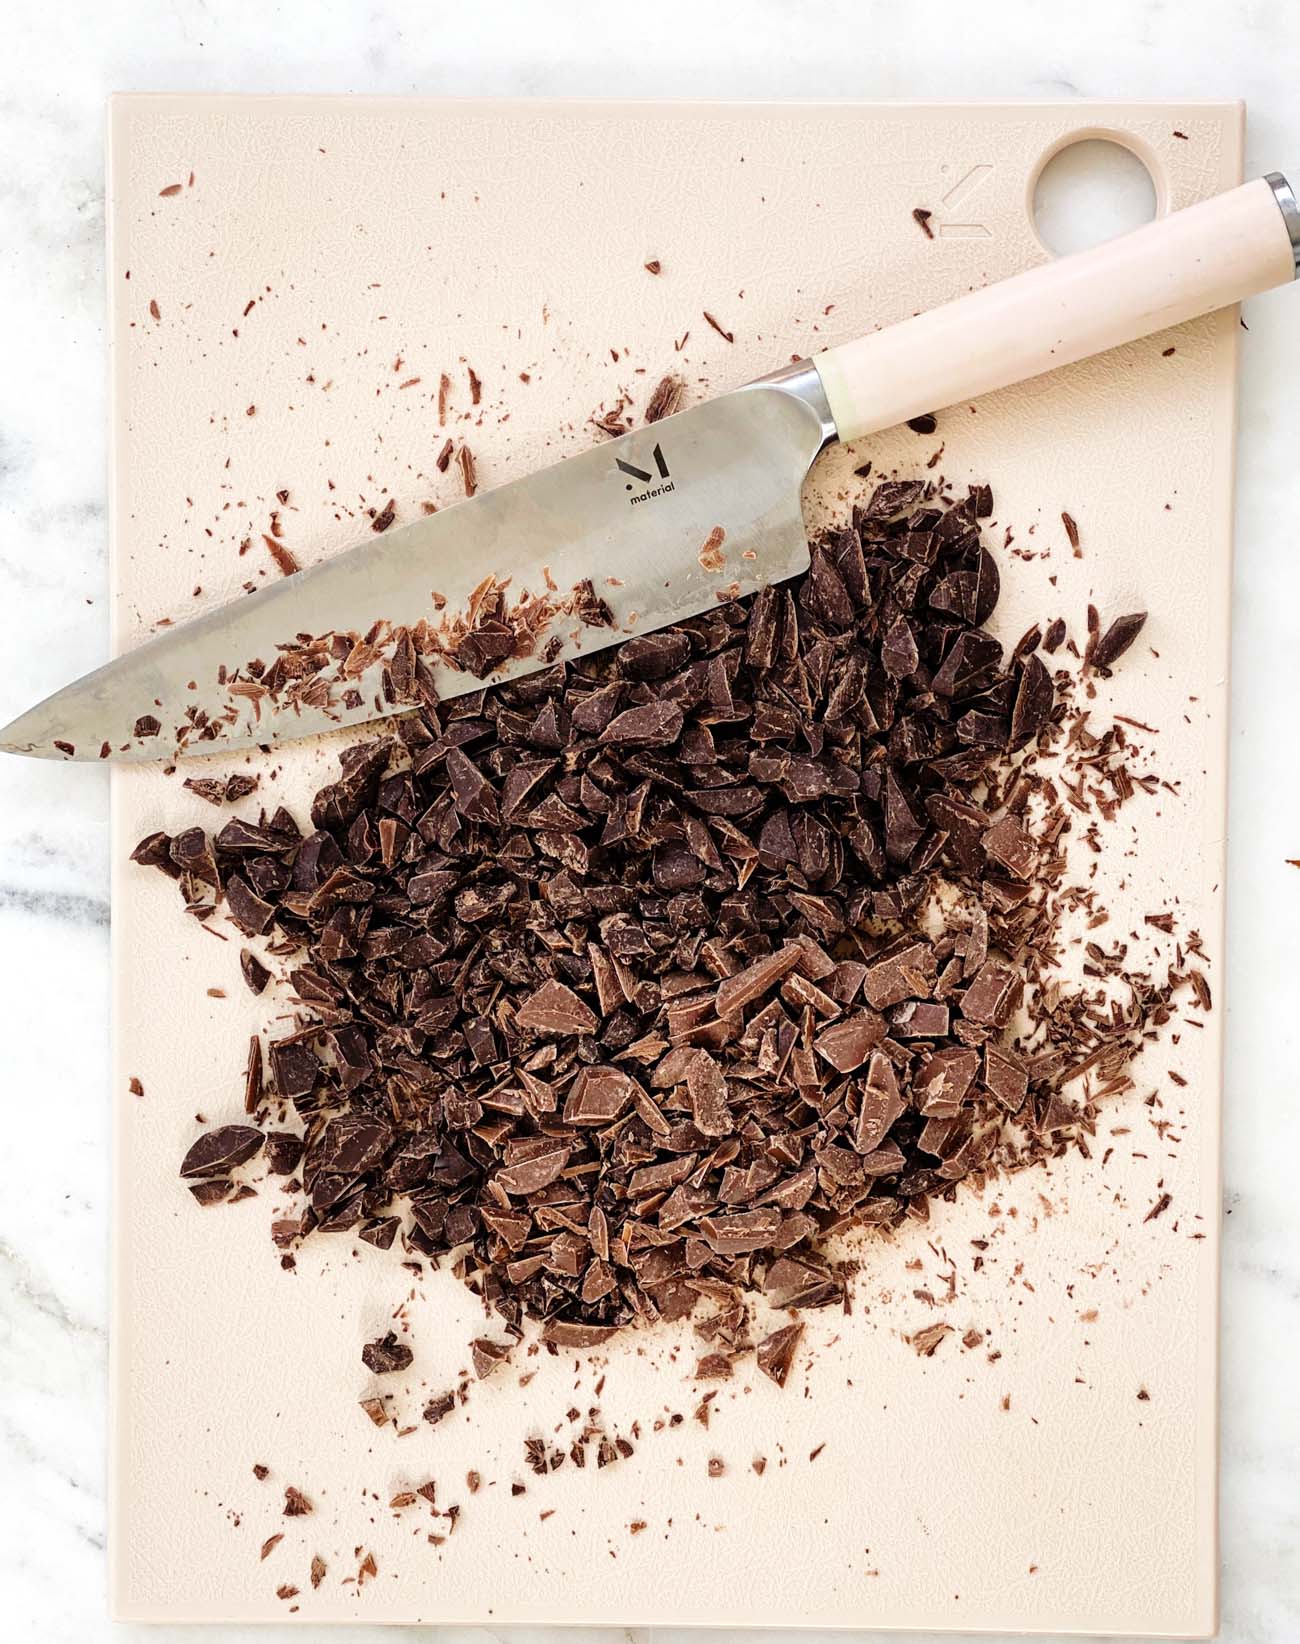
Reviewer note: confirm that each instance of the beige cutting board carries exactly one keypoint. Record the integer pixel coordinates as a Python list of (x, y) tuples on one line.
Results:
[(319, 256)]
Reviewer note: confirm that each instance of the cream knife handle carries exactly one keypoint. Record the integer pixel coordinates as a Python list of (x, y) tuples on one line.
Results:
[(1182, 265)]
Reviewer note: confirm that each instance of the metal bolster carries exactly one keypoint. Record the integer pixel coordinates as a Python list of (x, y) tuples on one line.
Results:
[(802, 381), (1286, 204)]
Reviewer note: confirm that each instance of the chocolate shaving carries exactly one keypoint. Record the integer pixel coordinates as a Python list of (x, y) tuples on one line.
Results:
[(666, 398)]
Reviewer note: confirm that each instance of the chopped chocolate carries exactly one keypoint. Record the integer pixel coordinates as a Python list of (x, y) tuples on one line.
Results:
[(296, 1504), (386, 1354), (631, 982)]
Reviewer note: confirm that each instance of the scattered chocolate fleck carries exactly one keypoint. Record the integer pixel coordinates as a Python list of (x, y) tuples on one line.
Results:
[(443, 459), (727, 336), (281, 555), (260, 1471), (924, 424), (134, 1086), (717, 1467), (385, 517), (170, 191), (711, 556), (154, 309), (386, 1354), (465, 457), (921, 217), (318, 1569), (296, 1505), (654, 266), (1072, 534), (270, 1544), (442, 1405)]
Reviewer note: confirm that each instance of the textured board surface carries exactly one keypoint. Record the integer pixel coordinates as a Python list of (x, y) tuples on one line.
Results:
[(319, 255)]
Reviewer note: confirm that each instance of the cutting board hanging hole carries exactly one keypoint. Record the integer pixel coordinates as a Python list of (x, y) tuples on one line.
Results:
[(1090, 189)]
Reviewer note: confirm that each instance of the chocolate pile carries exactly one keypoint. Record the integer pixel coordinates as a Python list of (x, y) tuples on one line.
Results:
[(633, 981)]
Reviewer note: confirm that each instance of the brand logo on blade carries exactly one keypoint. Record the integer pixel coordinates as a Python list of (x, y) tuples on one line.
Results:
[(642, 477)]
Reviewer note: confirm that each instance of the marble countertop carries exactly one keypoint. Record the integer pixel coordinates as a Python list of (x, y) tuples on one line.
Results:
[(60, 63)]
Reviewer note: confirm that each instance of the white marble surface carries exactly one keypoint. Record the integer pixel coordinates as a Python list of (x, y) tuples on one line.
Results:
[(60, 60)]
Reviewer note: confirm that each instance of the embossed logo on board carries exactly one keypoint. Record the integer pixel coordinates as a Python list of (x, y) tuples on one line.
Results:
[(955, 219), (646, 478)]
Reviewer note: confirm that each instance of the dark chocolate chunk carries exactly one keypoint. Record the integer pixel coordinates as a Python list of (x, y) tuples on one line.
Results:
[(221, 1150), (1115, 641), (776, 1352), (254, 971), (386, 1354), (488, 1355)]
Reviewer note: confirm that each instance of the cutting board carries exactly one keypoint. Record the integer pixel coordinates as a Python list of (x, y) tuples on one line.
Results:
[(290, 280)]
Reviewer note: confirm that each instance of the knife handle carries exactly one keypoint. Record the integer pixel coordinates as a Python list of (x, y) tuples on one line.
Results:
[(1170, 270)]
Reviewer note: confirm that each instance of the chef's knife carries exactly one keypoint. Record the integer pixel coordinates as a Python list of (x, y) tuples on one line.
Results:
[(662, 522)]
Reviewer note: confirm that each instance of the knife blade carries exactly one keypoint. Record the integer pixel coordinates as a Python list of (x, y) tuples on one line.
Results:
[(662, 523), (645, 530)]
